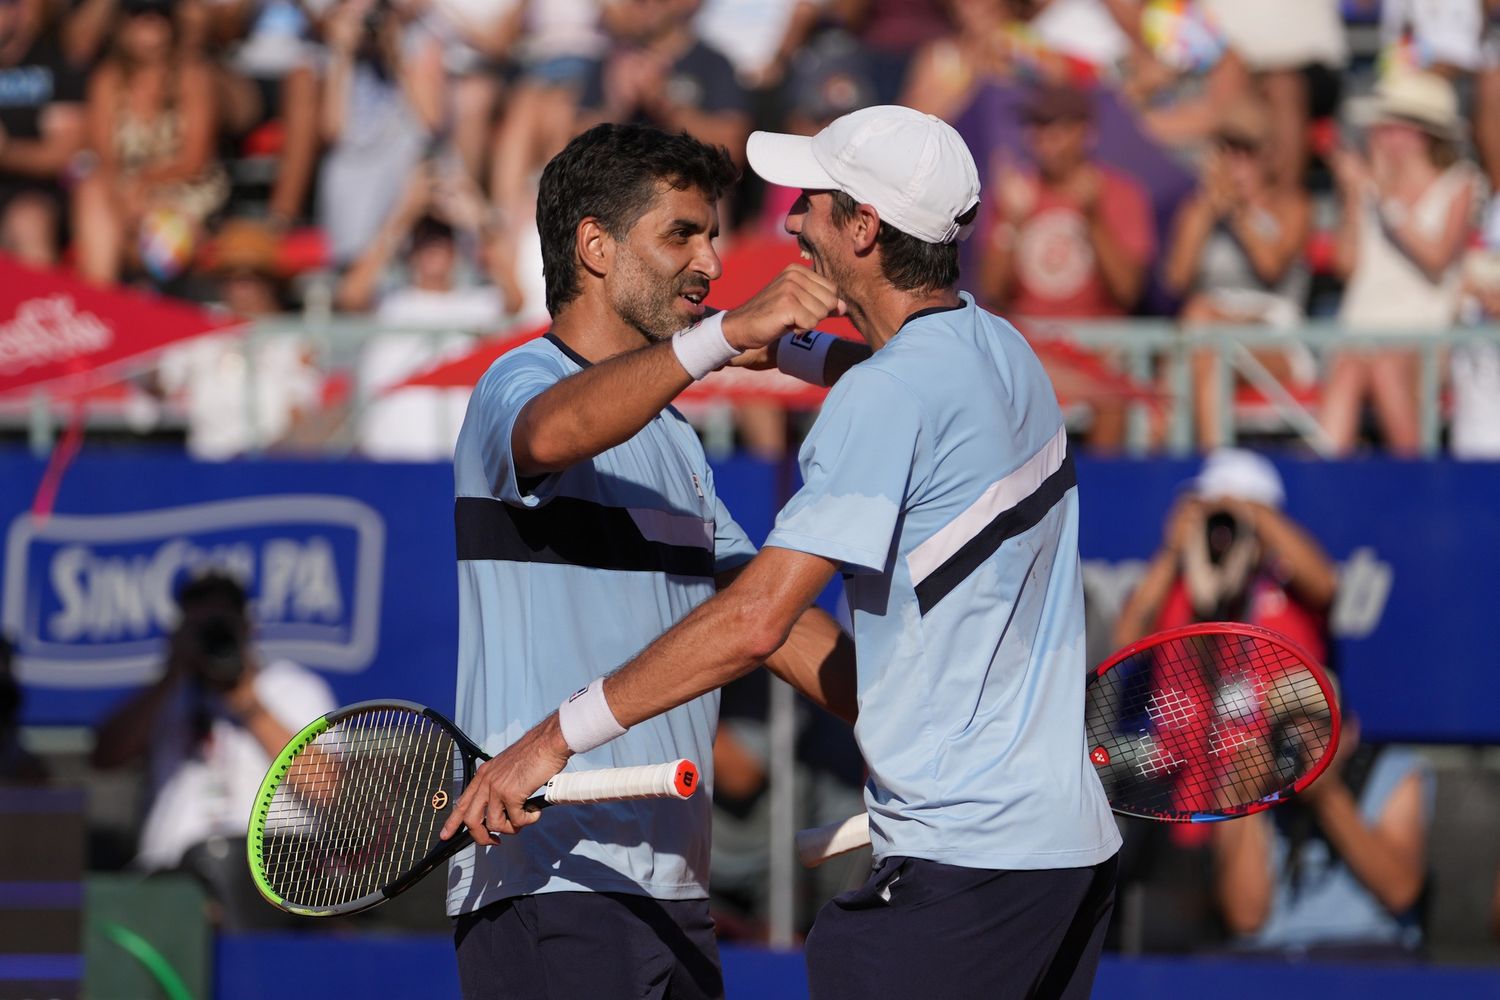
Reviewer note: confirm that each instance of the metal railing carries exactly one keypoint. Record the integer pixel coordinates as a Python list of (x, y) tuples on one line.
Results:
[(1153, 354)]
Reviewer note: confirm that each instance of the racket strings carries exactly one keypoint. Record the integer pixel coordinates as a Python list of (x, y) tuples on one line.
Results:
[(358, 807), (1205, 724)]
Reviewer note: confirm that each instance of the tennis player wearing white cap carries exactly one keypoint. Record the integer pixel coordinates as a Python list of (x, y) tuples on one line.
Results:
[(938, 481)]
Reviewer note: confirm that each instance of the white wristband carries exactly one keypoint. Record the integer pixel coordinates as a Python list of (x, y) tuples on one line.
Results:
[(701, 348), (586, 719), (802, 355)]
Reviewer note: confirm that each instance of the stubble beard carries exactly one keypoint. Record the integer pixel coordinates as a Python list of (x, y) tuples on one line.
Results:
[(647, 301)]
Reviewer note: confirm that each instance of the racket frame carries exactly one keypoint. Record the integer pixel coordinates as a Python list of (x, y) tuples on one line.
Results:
[(469, 754), (1220, 630)]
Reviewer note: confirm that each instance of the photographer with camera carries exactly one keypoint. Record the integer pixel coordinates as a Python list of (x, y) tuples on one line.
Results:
[(1341, 867), (208, 731), (1231, 554)]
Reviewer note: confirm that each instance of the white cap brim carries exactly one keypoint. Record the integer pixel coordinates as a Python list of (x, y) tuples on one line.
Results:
[(788, 160)]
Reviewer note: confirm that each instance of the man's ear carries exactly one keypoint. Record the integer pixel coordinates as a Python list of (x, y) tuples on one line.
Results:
[(863, 229), (594, 246)]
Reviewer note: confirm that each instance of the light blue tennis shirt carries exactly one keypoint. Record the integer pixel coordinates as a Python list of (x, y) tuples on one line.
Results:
[(938, 475), (561, 581)]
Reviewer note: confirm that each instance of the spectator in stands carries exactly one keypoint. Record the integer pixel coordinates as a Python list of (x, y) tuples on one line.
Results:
[(660, 73), (559, 51), (992, 41), (213, 377), (759, 39), (442, 287), (41, 128), (1073, 240), (892, 32), (383, 102), (1181, 74), (1229, 553), (1474, 431), (151, 129), (208, 730), (1339, 870), (267, 81), (1407, 212), (1296, 69), (1459, 40), (18, 766), (475, 40), (1236, 254), (945, 72)]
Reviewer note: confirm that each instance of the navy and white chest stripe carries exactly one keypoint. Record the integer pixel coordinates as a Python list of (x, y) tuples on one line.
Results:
[(1011, 505)]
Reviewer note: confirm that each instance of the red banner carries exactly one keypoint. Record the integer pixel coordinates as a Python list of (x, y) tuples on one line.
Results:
[(56, 328)]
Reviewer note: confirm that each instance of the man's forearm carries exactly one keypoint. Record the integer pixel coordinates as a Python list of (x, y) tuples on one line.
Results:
[(593, 411), (729, 634), (818, 660)]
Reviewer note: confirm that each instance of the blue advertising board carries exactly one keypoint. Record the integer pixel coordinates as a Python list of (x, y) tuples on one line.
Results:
[(351, 568)]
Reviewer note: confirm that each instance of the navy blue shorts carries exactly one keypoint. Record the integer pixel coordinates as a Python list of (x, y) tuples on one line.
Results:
[(594, 945), (940, 932)]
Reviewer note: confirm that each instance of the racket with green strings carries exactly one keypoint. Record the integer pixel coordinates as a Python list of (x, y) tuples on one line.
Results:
[(348, 815)]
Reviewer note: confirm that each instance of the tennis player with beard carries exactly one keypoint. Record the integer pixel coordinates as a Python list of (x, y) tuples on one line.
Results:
[(586, 525), (938, 480)]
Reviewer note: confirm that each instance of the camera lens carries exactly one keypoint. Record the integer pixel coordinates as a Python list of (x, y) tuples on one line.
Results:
[(1220, 531), (219, 658)]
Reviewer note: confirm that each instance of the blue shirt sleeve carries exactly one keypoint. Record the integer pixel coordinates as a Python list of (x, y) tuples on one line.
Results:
[(500, 396), (857, 466)]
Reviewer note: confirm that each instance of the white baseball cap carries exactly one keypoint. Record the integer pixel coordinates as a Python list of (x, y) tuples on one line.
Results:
[(1238, 474), (913, 168)]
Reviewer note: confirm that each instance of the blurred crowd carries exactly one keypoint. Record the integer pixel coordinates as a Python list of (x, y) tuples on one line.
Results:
[(1213, 161)]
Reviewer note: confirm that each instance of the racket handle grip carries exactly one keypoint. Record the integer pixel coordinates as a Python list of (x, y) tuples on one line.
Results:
[(676, 779), (820, 843)]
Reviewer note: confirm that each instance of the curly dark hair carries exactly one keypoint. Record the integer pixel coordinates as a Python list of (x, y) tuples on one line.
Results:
[(610, 173)]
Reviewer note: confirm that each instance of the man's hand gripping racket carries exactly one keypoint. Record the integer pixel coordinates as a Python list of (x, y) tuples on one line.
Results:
[(350, 813), (1190, 725)]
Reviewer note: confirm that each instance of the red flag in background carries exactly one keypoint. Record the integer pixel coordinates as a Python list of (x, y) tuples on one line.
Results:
[(55, 328)]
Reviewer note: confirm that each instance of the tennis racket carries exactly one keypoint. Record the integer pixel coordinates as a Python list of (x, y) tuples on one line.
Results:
[(1190, 725), (348, 815)]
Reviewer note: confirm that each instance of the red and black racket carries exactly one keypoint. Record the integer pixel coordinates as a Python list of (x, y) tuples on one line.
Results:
[(1190, 725)]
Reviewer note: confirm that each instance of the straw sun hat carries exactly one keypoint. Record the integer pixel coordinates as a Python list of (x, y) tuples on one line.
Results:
[(1422, 100)]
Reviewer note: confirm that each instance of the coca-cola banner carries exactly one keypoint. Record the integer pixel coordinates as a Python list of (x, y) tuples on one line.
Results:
[(54, 327)]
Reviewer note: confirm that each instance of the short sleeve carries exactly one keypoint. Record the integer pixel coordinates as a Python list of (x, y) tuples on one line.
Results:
[(857, 465), (498, 400)]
